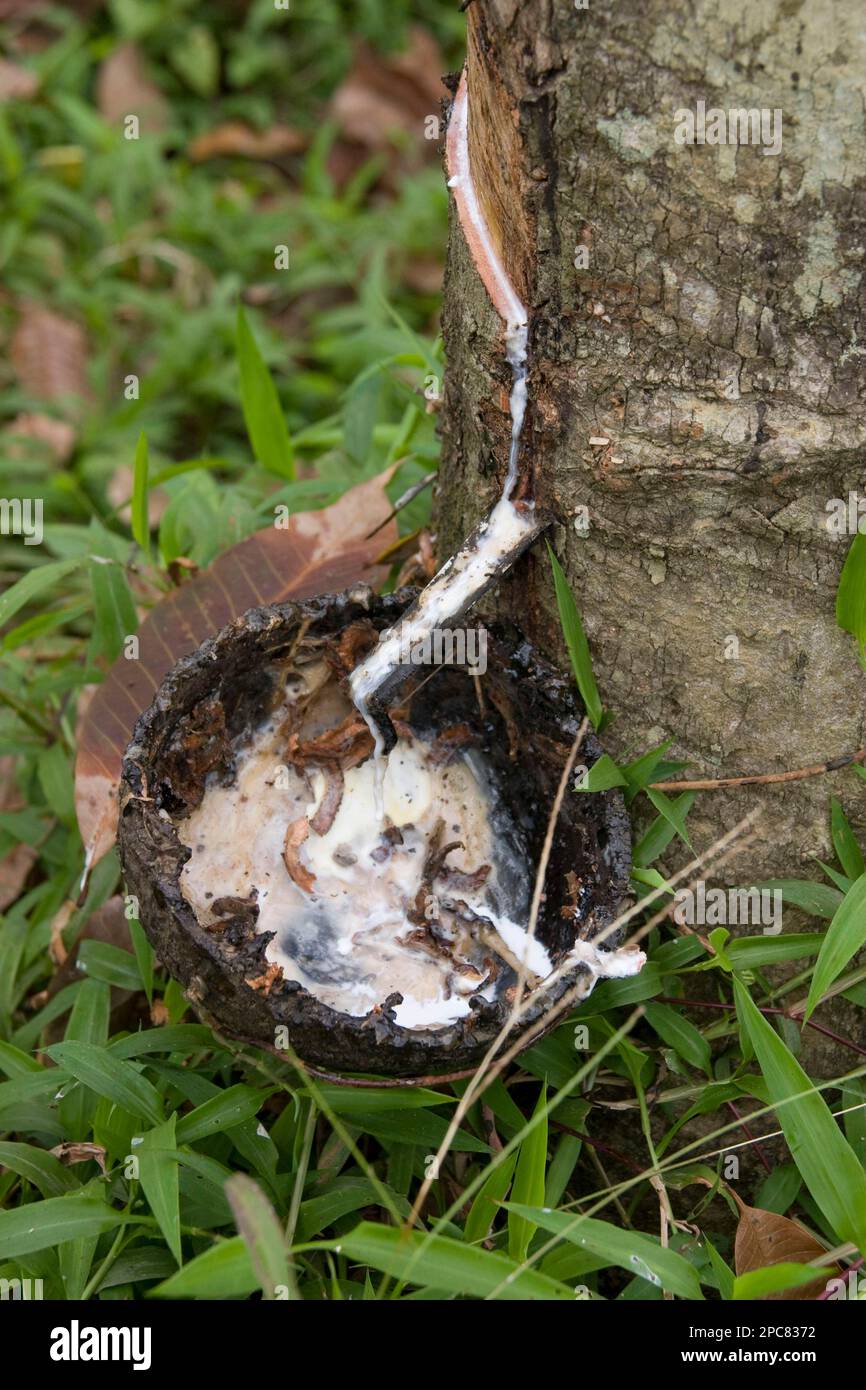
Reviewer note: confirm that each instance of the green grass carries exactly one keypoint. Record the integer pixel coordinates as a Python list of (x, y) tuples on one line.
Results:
[(223, 1172)]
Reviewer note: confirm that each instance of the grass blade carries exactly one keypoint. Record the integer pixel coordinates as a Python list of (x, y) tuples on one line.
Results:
[(528, 1181), (263, 414), (829, 1167), (575, 640), (140, 516), (844, 937)]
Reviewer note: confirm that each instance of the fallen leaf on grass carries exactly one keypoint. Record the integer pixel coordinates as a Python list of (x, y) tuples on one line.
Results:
[(383, 103), (236, 138), (70, 1152), (49, 354), (764, 1238), (16, 84), (123, 88), (17, 863), (319, 552), (56, 436)]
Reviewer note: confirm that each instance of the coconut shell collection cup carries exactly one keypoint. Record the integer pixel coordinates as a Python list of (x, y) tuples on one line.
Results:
[(212, 702)]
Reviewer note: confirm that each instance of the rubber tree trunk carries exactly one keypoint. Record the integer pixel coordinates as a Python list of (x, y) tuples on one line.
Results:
[(697, 374)]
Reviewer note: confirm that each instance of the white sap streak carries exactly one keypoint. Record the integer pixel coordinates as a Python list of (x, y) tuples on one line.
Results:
[(499, 286), (450, 592), (461, 578)]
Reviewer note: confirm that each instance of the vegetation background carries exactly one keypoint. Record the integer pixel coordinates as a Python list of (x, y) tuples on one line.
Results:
[(623, 1157)]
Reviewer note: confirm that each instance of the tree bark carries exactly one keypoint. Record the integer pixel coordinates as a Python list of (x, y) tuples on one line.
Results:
[(714, 341)]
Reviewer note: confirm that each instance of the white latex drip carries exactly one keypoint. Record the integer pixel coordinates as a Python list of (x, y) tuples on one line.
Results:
[(347, 937), (461, 577)]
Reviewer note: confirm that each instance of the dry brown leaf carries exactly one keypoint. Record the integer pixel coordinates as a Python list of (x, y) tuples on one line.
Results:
[(71, 1152), (58, 436), (238, 139), (319, 552), (16, 865), (49, 354), (383, 98), (764, 1238), (16, 84), (124, 88)]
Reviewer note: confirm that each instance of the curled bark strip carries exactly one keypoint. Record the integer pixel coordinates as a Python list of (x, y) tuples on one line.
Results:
[(296, 834), (330, 803), (344, 746)]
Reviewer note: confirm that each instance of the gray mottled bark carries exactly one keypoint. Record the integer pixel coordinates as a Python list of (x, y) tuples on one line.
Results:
[(715, 338)]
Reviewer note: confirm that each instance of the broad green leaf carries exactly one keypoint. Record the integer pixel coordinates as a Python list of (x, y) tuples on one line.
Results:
[(88, 1022), (114, 613), (55, 778), (39, 1167), (108, 1076), (851, 594), (485, 1208), (603, 775), (138, 1265), (442, 1263), (674, 813), (528, 1181), (223, 1111), (843, 939), (33, 584), (632, 1251), (723, 1272), (415, 1127), (40, 1225), (848, 851), (780, 1188), (111, 965), (15, 1063), (754, 952), (818, 899), (182, 1037), (346, 1100), (830, 1169), (842, 881), (159, 1179), (575, 640), (223, 1271), (263, 414), (854, 1102), (658, 836), (681, 1035), (757, 1283), (344, 1196), (262, 1233), (640, 770)]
